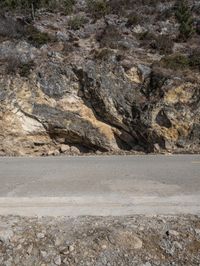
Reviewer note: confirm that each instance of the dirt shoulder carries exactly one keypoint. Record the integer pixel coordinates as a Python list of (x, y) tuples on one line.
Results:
[(137, 240)]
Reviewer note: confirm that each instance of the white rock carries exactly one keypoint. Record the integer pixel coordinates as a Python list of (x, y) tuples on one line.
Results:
[(139, 29), (57, 260), (137, 243), (75, 150), (173, 233), (147, 264), (71, 248), (197, 231), (5, 234), (40, 235), (43, 253), (64, 148), (177, 245)]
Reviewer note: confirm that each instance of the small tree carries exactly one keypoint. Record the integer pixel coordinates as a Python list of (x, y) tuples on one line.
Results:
[(184, 17)]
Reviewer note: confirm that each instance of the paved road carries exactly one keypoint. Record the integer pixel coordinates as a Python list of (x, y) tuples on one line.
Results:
[(113, 185)]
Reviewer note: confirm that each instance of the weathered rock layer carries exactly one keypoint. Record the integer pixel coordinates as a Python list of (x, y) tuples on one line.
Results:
[(86, 93)]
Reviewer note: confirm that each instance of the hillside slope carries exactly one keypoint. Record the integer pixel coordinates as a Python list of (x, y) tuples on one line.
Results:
[(108, 79)]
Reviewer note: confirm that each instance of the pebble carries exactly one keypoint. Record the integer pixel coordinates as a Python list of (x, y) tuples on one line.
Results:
[(5, 235), (57, 260), (40, 235), (173, 233), (43, 253), (146, 264), (71, 248), (197, 231), (137, 243), (177, 245)]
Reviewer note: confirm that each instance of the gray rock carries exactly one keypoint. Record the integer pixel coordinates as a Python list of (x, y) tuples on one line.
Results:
[(5, 234), (57, 260)]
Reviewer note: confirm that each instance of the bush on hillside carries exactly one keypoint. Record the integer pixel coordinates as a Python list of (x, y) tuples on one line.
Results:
[(30, 6), (164, 44), (77, 22), (37, 38), (11, 28), (132, 19), (184, 18), (195, 59), (98, 8), (176, 61), (109, 37), (14, 66)]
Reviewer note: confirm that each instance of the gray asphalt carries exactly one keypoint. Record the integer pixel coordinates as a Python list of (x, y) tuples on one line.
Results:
[(115, 185)]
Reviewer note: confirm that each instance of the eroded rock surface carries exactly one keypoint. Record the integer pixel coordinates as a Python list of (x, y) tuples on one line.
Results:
[(98, 88)]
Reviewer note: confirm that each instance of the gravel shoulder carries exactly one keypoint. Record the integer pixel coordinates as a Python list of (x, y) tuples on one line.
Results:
[(135, 240)]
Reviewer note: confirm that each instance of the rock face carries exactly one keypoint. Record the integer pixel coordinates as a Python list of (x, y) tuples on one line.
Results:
[(89, 90)]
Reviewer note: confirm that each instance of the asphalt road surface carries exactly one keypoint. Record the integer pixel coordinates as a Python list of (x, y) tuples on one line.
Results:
[(115, 185)]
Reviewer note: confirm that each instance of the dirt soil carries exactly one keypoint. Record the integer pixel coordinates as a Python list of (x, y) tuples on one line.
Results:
[(137, 240)]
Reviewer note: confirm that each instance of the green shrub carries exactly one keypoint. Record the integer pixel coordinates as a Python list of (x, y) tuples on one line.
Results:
[(184, 17), (176, 61), (68, 48), (102, 54), (77, 22), (195, 59), (133, 19), (164, 44), (119, 7), (25, 69), (146, 36), (30, 6), (37, 38), (179, 61), (14, 66), (98, 8), (110, 37), (69, 6)]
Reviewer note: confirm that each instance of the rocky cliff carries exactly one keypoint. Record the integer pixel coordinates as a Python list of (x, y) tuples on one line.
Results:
[(122, 81)]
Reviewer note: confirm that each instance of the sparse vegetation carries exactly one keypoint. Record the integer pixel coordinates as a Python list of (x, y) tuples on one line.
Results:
[(119, 6), (30, 6), (184, 17), (102, 54), (182, 62), (11, 28), (76, 22), (25, 68), (132, 19), (67, 48), (176, 61), (109, 37), (195, 59), (69, 6), (36, 37), (15, 65), (164, 44), (98, 8), (146, 36)]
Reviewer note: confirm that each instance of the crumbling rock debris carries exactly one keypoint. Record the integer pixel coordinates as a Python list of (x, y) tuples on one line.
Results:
[(126, 241)]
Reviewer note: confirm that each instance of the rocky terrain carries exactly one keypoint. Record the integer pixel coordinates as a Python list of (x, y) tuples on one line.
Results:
[(128, 241), (111, 79)]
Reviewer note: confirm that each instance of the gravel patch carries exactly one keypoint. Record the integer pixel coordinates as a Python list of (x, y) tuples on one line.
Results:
[(137, 240)]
